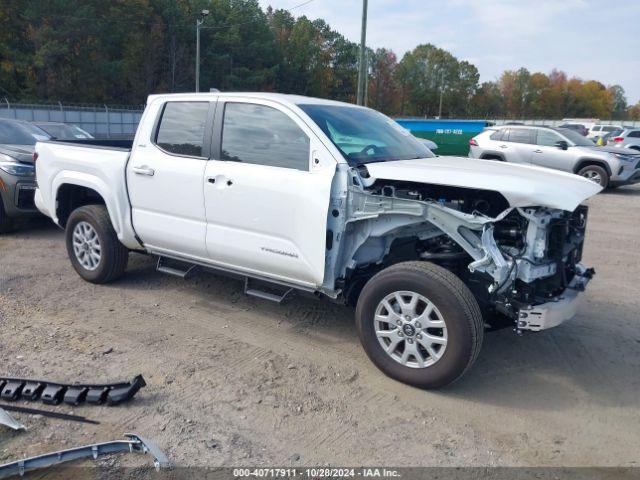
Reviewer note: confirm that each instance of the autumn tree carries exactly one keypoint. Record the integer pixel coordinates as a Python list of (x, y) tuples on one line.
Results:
[(383, 86)]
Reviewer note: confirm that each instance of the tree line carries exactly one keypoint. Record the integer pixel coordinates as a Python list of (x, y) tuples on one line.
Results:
[(119, 52)]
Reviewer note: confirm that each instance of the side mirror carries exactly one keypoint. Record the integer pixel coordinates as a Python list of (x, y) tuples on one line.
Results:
[(562, 145)]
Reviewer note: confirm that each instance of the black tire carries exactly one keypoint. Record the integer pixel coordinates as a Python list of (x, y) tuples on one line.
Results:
[(5, 222), (595, 169), (452, 298), (113, 255)]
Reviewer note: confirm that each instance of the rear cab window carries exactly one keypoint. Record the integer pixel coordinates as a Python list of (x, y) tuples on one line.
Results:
[(181, 128), (262, 135)]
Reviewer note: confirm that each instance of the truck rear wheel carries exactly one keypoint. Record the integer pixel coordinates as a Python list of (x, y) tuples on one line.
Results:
[(419, 324), (93, 246)]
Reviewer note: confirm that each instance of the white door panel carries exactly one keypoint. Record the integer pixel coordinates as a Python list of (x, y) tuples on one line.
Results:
[(168, 207), (268, 220)]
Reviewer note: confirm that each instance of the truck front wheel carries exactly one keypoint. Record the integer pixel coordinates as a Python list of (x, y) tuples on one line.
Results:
[(419, 324), (93, 246), (5, 222)]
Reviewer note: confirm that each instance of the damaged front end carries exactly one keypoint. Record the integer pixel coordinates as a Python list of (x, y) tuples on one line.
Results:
[(522, 262)]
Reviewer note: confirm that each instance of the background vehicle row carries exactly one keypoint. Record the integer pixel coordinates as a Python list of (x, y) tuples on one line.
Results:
[(559, 149)]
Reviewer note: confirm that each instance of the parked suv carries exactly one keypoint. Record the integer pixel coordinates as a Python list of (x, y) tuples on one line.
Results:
[(560, 149), (578, 127), (628, 138), (17, 173), (599, 131)]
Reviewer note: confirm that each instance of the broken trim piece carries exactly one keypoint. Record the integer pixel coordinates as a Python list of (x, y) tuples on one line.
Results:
[(49, 414), (53, 393), (8, 421), (134, 444)]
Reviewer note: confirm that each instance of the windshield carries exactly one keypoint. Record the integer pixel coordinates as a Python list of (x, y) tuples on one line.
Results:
[(575, 138), (63, 131), (18, 133), (366, 136)]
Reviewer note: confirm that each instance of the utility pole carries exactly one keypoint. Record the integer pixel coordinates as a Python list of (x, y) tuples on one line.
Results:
[(362, 70), (441, 93), (199, 22)]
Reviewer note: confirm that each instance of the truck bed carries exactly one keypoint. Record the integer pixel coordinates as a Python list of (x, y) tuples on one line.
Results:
[(98, 165), (98, 143)]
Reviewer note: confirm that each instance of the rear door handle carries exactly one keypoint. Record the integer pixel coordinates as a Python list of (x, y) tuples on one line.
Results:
[(503, 146), (212, 180), (537, 151), (144, 170)]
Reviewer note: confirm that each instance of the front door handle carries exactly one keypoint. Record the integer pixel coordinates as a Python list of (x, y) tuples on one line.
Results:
[(503, 146), (144, 170), (537, 151)]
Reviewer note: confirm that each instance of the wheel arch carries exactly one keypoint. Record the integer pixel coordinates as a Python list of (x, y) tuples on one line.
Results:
[(492, 156), (585, 162)]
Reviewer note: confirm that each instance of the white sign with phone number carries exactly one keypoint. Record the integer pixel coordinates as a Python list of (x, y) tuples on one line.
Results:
[(449, 131)]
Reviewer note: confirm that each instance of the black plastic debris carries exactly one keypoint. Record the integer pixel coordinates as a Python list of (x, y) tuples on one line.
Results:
[(54, 393)]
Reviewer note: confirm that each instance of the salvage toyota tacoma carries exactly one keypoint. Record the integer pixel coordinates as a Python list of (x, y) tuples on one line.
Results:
[(299, 194)]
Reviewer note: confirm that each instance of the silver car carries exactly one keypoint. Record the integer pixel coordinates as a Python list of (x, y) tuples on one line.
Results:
[(560, 149), (628, 138)]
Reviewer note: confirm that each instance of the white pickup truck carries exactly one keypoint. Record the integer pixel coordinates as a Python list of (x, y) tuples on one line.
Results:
[(300, 194)]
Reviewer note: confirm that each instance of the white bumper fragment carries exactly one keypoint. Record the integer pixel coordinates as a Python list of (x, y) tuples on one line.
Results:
[(556, 310)]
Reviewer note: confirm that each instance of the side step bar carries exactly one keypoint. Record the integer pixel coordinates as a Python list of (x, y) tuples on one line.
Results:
[(277, 296), (177, 268), (271, 291)]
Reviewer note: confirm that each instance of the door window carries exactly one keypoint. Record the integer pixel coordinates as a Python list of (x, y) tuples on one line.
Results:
[(635, 134), (263, 136), (520, 135), (548, 138), (182, 127), (497, 135)]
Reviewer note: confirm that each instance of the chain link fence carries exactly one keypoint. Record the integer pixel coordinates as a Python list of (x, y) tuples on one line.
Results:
[(101, 121)]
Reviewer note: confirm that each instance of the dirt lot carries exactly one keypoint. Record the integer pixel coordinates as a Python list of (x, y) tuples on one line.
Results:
[(240, 381)]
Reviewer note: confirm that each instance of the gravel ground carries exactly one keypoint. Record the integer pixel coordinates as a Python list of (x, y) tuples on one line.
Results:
[(239, 381)]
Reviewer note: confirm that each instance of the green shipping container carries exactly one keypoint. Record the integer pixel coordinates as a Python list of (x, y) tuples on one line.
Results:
[(451, 136)]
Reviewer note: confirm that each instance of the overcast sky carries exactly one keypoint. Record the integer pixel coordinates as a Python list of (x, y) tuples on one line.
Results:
[(590, 39)]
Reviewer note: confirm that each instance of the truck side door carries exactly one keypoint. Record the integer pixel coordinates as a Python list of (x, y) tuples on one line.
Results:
[(164, 178), (267, 192)]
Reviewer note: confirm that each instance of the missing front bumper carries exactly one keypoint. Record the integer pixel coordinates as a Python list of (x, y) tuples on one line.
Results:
[(558, 310)]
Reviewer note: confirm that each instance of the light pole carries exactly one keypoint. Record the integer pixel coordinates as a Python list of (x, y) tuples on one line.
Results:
[(199, 22), (441, 93), (362, 71)]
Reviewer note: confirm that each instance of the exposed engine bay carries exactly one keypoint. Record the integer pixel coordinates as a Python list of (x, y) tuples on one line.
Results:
[(514, 260)]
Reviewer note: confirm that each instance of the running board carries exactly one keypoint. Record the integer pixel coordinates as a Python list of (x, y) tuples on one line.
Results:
[(177, 268), (277, 297)]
